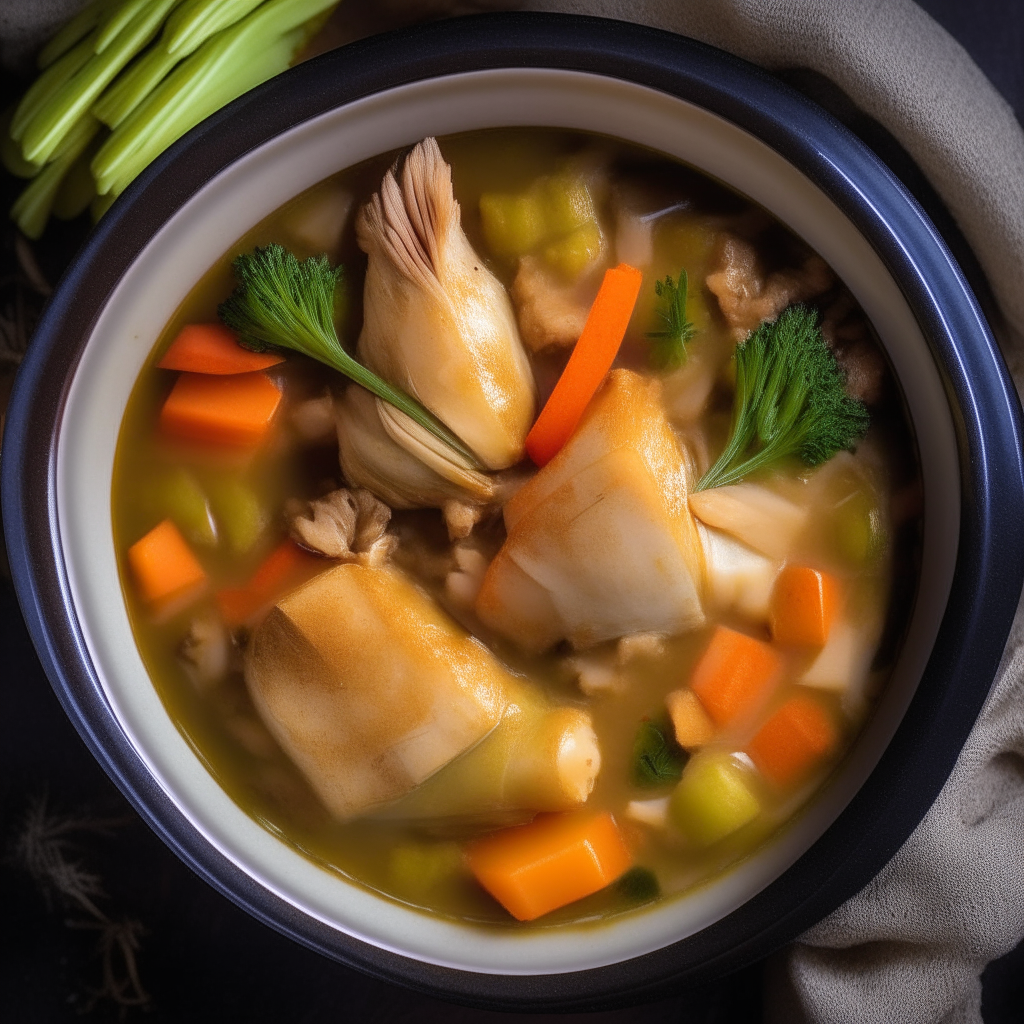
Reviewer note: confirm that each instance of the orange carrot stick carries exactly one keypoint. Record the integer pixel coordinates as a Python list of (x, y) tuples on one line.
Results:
[(733, 674), (213, 348), (803, 605), (235, 411), (163, 564), (283, 568), (792, 740), (590, 361), (555, 860)]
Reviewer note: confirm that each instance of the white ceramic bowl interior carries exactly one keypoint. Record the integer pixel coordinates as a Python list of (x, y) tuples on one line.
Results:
[(250, 189)]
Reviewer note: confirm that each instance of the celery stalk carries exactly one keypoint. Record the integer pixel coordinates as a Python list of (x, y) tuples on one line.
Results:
[(75, 96), (10, 151), (73, 32), (196, 20), (44, 87), (116, 21), (227, 65), (77, 190), (132, 87), (32, 208)]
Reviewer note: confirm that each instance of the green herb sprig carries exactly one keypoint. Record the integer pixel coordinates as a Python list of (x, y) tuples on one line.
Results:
[(790, 400), (657, 759), (284, 302), (668, 346)]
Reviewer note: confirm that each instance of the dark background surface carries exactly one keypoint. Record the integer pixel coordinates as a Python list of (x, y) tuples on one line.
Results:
[(97, 915)]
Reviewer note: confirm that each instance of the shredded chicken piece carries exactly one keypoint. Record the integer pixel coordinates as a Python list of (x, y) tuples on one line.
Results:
[(846, 333), (313, 420), (350, 525), (551, 313), (206, 651), (460, 517), (748, 297)]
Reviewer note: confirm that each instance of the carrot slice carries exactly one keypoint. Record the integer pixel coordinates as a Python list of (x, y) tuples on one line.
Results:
[(590, 361), (734, 673), (803, 606), (163, 564), (235, 411), (283, 568), (555, 860), (213, 348), (787, 746)]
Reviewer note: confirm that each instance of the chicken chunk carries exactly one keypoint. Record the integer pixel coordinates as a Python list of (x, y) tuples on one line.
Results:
[(601, 542), (369, 687), (551, 313), (747, 296), (350, 525)]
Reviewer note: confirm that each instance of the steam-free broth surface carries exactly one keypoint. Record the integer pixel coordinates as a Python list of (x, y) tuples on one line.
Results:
[(544, 214)]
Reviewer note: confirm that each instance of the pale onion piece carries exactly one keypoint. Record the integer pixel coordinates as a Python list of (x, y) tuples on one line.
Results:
[(604, 530), (541, 757), (597, 674), (753, 514), (649, 812), (739, 579), (437, 323), (634, 238), (463, 584), (369, 687), (844, 664), (371, 458)]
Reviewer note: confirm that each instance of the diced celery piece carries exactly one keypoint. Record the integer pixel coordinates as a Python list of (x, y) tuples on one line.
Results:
[(177, 494), (859, 533), (420, 868), (714, 798), (513, 224), (568, 204), (240, 514), (571, 255)]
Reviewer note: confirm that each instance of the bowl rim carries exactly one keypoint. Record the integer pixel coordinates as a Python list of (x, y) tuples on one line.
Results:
[(987, 417)]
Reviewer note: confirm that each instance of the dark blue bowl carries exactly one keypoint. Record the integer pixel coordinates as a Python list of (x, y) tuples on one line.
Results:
[(989, 567)]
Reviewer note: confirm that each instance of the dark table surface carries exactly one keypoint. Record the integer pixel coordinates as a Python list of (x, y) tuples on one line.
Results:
[(99, 921)]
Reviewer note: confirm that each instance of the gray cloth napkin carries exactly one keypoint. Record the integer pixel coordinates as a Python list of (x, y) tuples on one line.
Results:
[(910, 947)]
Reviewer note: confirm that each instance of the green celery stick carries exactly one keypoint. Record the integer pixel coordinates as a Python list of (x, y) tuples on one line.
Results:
[(73, 32), (177, 106), (44, 87), (196, 20), (241, 516), (10, 151), (228, 64), (133, 86), (117, 20), (77, 190), (52, 122), (32, 208)]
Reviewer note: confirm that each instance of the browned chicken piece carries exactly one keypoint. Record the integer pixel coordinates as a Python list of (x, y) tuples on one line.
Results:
[(846, 333), (551, 313), (350, 525), (313, 420), (747, 296), (206, 651)]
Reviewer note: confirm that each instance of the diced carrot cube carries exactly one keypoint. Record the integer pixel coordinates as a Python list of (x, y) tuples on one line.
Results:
[(231, 410), (163, 564), (213, 348), (733, 674), (793, 739), (803, 606), (286, 566), (691, 722), (551, 862)]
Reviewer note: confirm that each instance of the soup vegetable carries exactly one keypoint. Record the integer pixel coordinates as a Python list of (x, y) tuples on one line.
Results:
[(521, 526)]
